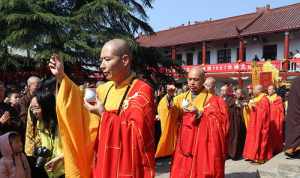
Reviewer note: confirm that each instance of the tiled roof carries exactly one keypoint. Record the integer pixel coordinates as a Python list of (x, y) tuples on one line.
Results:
[(269, 20), (279, 19)]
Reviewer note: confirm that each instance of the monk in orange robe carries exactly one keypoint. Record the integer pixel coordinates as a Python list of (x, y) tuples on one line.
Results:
[(113, 138), (277, 119), (201, 141), (257, 146), (169, 129)]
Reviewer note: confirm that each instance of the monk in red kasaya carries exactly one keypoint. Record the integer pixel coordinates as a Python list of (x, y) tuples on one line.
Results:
[(201, 141), (115, 137), (277, 119), (257, 146)]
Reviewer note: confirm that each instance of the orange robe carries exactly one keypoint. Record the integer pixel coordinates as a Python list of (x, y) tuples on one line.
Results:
[(257, 146), (277, 119), (169, 129), (201, 144), (246, 115), (120, 145)]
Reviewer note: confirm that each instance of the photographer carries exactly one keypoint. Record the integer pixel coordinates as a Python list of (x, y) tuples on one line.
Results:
[(43, 143)]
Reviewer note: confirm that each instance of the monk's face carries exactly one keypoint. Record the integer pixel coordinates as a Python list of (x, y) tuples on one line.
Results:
[(195, 81), (224, 91), (271, 90), (239, 93), (112, 65), (33, 86), (209, 85)]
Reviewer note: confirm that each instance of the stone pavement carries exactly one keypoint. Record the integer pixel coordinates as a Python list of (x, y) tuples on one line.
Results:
[(278, 167)]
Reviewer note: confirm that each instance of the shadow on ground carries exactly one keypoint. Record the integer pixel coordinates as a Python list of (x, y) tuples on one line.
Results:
[(242, 175)]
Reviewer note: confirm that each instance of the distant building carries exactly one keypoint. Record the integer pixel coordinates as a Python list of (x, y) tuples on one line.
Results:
[(218, 44)]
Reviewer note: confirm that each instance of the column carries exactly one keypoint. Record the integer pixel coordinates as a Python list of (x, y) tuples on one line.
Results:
[(241, 50), (286, 45), (173, 53), (203, 52)]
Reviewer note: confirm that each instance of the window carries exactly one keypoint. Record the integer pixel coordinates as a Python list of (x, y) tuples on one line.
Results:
[(238, 54), (270, 52), (178, 57), (224, 56), (207, 57), (189, 58)]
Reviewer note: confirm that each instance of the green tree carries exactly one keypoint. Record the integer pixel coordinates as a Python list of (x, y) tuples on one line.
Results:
[(76, 29)]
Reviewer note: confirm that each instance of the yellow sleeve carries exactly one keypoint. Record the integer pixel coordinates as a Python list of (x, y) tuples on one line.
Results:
[(30, 138), (169, 125), (246, 115), (78, 129)]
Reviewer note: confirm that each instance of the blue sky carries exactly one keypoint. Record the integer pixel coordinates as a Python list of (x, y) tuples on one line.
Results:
[(171, 13)]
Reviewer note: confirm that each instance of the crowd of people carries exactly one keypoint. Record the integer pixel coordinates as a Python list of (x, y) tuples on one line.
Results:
[(52, 129)]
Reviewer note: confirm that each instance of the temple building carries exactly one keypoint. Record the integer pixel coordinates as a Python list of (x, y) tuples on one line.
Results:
[(226, 47)]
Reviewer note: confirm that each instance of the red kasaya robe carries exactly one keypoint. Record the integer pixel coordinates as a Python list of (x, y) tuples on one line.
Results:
[(277, 120), (126, 146), (121, 146), (257, 145), (201, 145)]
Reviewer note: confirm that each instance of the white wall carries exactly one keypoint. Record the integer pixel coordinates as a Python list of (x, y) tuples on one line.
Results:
[(295, 42), (252, 47)]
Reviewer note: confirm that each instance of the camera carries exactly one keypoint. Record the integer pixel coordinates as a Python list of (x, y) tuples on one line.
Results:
[(42, 153)]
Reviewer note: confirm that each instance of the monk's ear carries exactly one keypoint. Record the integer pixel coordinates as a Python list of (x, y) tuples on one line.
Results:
[(126, 60)]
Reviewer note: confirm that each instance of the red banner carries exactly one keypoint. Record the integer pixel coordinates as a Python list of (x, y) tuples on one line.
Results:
[(238, 67)]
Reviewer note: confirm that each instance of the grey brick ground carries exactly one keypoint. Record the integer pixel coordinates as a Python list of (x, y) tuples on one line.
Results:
[(278, 167)]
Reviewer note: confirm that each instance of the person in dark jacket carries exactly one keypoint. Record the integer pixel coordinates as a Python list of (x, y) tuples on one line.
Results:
[(9, 119)]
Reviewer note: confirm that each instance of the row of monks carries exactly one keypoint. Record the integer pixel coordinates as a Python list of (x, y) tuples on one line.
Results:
[(201, 130), (114, 137)]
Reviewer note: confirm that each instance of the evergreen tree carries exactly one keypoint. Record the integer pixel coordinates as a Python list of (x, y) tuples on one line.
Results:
[(75, 29)]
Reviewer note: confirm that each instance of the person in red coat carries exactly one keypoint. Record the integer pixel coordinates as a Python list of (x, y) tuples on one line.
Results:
[(257, 146), (277, 119)]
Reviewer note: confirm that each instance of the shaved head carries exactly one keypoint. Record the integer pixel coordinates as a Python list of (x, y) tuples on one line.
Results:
[(271, 90), (197, 72), (33, 84), (258, 89), (224, 90), (118, 47), (210, 84), (116, 59), (33, 79), (196, 77)]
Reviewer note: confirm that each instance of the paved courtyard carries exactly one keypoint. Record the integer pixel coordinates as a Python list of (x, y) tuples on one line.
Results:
[(278, 167)]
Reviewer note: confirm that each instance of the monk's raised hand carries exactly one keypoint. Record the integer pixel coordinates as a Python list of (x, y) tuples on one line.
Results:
[(56, 67)]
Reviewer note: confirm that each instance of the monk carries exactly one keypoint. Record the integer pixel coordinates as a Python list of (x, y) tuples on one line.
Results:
[(169, 129), (277, 119), (246, 108), (113, 138), (210, 85), (237, 129), (257, 146), (200, 148), (292, 126)]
